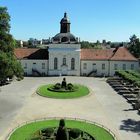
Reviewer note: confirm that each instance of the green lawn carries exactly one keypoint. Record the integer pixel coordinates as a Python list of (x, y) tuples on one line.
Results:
[(26, 131), (43, 91)]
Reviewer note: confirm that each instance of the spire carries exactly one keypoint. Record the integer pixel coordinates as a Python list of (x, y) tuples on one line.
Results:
[(65, 15), (65, 24)]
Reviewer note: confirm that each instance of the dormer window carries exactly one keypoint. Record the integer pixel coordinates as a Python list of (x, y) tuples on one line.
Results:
[(64, 39)]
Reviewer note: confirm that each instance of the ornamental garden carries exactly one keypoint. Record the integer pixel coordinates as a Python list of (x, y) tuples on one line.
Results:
[(63, 90), (63, 129)]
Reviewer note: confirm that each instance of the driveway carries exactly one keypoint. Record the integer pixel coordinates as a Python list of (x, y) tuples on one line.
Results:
[(20, 103)]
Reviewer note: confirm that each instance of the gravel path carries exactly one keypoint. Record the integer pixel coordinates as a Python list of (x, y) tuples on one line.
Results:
[(19, 103)]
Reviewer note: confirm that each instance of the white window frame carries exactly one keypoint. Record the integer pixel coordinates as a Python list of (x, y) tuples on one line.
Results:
[(85, 66), (124, 67), (43, 65), (103, 66), (115, 66)]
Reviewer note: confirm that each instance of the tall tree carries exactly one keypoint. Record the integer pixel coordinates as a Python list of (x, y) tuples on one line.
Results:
[(134, 46), (9, 66)]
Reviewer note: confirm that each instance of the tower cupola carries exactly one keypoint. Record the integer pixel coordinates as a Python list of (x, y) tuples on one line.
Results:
[(65, 24)]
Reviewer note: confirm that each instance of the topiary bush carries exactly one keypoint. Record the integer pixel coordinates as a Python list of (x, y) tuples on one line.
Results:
[(57, 86), (75, 133), (62, 132), (48, 132), (70, 86)]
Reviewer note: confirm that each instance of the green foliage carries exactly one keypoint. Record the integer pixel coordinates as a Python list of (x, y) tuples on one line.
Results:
[(48, 132), (86, 44), (62, 134), (62, 123), (4, 20), (8, 63), (47, 91), (26, 132), (129, 77), (134, 46), (75, 133), (134, 73), (70, 86), (57, 86)]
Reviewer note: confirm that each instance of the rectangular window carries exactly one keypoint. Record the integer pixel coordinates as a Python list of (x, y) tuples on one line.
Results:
[(25, 67), (124, 66), (103, 66), (132, 66), (85, 66), (115, 66), (43, 65)]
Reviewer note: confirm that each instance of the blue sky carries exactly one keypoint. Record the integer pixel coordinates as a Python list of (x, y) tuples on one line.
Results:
[(114, 20)]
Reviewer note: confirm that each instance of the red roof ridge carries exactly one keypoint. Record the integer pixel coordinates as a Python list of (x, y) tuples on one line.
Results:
[(122, 53)]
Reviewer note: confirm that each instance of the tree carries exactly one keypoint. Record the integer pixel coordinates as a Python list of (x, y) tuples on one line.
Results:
[(134, 46), (104, 41), (9, 66), (86, 44), (97, 42)]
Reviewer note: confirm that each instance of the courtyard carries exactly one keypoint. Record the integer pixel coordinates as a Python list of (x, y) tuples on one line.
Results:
[(20, 103)]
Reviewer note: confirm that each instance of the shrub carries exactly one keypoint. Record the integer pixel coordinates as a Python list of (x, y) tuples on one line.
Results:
[(47, 132), (62, 133), (62, 123), (129, 77), (70, 86), (75, 133), (57, 86)]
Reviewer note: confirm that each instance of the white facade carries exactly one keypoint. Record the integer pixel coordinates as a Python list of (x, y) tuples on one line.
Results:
[(94, 66), (64, 53), (82, 67), (106, 68), (123, 65), (63, 56), (35, 67)]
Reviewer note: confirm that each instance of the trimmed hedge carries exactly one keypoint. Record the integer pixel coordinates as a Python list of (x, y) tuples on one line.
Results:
[(127, 75)]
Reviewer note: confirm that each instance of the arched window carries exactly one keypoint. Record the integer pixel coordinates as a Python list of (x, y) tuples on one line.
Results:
[(72, 64), (64, 61), (55, 63)]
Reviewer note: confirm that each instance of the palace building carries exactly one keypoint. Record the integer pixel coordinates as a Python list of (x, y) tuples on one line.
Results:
[(64, 56)]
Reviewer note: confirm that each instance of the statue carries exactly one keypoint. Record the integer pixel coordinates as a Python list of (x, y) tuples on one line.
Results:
[(64, 83)]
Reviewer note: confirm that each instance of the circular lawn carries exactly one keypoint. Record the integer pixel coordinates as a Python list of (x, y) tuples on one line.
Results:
[(26, 132), (46, 91)]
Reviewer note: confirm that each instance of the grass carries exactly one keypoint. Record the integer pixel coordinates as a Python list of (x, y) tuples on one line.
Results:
[(26, 131), (43, 91)]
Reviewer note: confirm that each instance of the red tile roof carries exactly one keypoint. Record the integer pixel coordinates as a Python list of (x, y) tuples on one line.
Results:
[(96, 54), (123, 54), (120, 54), (31, 53)]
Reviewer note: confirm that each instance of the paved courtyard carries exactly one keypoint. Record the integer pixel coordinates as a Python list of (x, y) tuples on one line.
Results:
[(20, 103)]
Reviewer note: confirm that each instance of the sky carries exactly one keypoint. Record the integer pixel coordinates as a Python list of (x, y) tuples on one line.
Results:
[(91, 20)]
